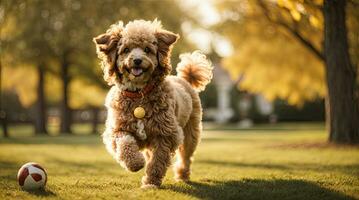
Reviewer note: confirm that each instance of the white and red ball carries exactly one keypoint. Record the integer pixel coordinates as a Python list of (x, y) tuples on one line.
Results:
[(32, 176)]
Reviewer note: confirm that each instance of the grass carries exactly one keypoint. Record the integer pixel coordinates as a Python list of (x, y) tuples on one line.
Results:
[(283, 162)]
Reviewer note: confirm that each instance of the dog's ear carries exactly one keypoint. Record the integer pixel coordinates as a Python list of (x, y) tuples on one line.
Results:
[(106, 48), (165, 41)]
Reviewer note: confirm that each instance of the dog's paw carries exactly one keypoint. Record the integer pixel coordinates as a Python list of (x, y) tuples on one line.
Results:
[(182, 178), (135, 167), (148, 183), (181, 173), (128, 154), (149, 186)]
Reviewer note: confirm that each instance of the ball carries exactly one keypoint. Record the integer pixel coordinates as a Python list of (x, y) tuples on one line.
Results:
[(32, 176)]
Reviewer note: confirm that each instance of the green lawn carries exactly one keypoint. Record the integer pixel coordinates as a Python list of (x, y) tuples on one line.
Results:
[(289, 162)]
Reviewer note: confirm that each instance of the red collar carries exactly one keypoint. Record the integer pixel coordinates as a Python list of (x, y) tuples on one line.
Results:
[(147, 89)]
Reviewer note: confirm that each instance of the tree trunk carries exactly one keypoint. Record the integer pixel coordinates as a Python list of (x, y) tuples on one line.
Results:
[(65, 126), (327, 113), (344, 113), (4, 124), (95, 112), (40, 119), (2, 112)]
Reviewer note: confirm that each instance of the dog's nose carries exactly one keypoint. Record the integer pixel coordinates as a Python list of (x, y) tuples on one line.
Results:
[(137, 61)]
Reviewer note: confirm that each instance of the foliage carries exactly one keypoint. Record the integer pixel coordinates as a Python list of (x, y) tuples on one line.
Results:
[(53, 33), (21, 80), (270, 51)]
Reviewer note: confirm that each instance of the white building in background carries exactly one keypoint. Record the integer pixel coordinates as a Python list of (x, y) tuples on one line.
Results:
[(224, 111), (223, 84)]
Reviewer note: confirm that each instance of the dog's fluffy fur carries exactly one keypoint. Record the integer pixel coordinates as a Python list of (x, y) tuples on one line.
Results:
[(172, 122)]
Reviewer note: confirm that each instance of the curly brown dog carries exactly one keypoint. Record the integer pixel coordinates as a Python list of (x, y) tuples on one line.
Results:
[(151, 115)]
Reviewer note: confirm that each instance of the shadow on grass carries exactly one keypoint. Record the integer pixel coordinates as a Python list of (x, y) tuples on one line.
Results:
[(243, 139), (245, 165), (41, 192), (8, 170), (102, 166), (61, 140), (8, 165), (348, 169), (257, 189)]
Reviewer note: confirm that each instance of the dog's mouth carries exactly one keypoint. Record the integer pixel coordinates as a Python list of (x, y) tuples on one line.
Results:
[(137, 71)]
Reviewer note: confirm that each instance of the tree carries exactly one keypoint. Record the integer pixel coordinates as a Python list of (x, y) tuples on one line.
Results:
[(88, 25), (58, 37), (35, 52), (41, 116), (258, 53), (10, 10), (5, 9), (341, 76), (302, 21)]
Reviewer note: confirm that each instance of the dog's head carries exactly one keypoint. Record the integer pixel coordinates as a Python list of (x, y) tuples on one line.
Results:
[(135, 54)]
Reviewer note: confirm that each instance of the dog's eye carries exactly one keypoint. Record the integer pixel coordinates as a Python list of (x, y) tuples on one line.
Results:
[(147, 50), (126, 50)]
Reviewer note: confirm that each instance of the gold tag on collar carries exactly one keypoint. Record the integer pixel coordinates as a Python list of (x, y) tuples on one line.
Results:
[(139, 112)]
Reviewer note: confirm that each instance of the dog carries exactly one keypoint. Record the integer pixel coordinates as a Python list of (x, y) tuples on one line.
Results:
[(152, 115)]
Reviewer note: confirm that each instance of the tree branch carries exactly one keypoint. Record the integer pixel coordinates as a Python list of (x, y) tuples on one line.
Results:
[(313, 5), (305, 42), (292, 31)]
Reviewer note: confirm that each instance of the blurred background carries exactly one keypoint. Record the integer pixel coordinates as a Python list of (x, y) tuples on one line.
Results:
[(268, 57)]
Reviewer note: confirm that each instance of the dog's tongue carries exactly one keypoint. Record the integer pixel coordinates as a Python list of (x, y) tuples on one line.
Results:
[(136, 71)]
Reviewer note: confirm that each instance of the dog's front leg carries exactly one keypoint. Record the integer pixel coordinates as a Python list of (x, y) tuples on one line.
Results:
[(128, 153), (159, 161)]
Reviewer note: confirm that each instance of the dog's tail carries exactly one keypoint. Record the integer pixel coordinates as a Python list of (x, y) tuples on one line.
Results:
[(196, 69)]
